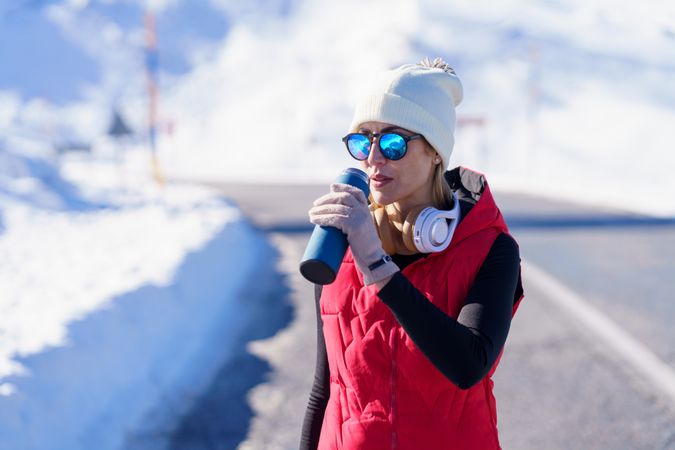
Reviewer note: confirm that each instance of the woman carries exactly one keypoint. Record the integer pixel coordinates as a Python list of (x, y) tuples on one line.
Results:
[(409, 339)]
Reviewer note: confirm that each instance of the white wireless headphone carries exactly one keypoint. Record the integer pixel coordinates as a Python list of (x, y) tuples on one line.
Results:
[(425, 229)]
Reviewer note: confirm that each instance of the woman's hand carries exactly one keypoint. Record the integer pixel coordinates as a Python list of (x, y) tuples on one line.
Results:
[(345, 207)]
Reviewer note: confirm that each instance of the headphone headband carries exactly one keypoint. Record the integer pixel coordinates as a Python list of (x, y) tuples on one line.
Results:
[(425, 230)]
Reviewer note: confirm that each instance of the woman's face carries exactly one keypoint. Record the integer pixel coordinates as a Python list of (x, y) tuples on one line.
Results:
[(406, 181)]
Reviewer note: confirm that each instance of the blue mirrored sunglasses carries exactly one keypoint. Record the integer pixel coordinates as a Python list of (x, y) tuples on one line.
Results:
[(392, 145)]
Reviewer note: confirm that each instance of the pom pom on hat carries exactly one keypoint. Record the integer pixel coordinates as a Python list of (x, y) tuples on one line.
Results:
[(418, 97)]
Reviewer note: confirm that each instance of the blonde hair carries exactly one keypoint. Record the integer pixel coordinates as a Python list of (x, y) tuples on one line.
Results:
[(441, 193)]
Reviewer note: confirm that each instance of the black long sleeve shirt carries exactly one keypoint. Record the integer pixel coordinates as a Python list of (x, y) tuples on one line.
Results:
[(463, 350)]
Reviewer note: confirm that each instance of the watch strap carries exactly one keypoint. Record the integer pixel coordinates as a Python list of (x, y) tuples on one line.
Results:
[(380, 262)]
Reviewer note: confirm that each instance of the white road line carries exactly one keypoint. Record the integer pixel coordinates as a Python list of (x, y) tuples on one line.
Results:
[(661, 375)]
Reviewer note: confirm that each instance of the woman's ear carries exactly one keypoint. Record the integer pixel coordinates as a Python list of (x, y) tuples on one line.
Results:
[(436, 157)]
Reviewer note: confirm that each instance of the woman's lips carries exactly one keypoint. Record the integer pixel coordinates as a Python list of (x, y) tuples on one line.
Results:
[(378, 181)]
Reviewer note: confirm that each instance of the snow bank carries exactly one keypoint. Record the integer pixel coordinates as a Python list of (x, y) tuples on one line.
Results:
[(107, 312), (35, 180)]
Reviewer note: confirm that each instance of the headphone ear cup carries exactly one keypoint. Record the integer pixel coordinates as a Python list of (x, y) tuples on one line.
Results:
[(409, 228), (434, 229), (384, 230)]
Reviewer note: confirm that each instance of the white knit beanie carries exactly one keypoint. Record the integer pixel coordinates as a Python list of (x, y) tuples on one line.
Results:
[(418, 97)]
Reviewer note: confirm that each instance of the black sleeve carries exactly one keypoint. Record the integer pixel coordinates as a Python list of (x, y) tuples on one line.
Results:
[(465, 349), (318, 397)]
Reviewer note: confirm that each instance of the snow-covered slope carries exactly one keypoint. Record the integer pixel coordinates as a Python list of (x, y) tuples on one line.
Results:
[(108, 311)]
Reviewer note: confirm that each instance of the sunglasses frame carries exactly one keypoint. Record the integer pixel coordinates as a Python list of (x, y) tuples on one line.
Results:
[(378, 136)]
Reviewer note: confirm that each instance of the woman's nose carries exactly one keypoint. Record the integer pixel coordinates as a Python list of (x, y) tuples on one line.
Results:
[(375, 158)]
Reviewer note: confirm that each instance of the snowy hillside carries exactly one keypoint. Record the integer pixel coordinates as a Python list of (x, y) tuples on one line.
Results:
[(571, 98), (574, 99)]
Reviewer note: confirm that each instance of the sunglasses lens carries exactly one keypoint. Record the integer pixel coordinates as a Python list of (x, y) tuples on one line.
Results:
[(358, 146), (392, 146)]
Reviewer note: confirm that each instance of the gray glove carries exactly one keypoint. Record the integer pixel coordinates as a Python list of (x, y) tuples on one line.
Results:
[(346, 209)]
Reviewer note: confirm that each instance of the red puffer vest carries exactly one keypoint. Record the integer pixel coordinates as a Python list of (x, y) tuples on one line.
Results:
[(384, 393)]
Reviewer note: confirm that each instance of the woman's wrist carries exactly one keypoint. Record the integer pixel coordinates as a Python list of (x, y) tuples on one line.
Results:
[(378, 269), (382, 283)]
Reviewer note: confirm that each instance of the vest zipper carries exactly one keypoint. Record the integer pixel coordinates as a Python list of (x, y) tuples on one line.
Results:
[(394, 438)]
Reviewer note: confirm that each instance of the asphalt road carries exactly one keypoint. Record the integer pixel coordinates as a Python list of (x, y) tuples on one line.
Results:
[(559, 384)]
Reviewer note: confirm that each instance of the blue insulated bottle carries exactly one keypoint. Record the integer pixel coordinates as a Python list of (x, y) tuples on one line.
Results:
[(327, 245)]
